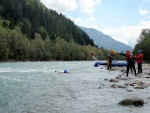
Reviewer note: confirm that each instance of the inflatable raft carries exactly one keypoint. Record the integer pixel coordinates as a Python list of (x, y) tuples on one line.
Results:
[(114, 63)]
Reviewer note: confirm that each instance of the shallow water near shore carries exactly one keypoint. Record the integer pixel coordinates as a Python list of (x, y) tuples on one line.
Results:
[(35, 87)]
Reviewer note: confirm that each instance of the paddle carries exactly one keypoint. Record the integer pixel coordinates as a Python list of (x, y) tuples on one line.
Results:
[(93, 56), (113, 52)]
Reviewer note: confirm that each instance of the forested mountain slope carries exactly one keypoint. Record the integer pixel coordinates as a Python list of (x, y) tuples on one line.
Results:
[(33, 17), (30, 31)]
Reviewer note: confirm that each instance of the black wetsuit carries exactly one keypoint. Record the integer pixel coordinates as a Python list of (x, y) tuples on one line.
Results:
[(139, 67), (130, 65), (109, 62)]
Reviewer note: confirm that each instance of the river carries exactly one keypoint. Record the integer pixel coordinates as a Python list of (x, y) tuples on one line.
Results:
[(35, 87)]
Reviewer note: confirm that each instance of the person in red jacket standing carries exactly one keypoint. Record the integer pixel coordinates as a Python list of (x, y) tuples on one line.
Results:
[(139, 60), (129, 59)]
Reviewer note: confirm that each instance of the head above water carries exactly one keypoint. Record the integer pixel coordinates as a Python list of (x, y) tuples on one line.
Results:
[(65, 71)]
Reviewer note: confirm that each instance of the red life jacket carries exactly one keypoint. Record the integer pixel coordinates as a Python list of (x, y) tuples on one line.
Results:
[(139, 58), (129, 56)]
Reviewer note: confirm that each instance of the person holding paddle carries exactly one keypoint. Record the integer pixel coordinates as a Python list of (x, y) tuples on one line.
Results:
[(129, 59), (109, 61)]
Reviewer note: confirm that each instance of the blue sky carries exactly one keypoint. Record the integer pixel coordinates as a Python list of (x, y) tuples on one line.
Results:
[(123, 20)]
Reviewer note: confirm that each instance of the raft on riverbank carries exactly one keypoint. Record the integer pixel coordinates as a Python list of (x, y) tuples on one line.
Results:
[(114, 63)]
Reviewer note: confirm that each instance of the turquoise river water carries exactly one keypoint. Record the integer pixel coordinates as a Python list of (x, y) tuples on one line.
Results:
[(35, 87)]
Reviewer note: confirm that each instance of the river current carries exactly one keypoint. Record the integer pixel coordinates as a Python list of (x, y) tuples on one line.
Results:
[(35, 87)]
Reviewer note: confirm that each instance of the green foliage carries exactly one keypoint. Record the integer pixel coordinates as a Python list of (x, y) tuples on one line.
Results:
[(30, 31), (143, 44), (16, 46), (26, 28), (48, 50), (4, 45), (33, 17), (38, 45)]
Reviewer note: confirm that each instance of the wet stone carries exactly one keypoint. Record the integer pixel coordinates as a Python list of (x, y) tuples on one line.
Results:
[(132, 101)]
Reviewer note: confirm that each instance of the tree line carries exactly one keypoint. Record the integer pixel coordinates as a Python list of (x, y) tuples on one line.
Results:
[(143, 44), (16, 46)]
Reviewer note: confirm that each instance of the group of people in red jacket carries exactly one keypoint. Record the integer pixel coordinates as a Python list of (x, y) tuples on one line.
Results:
[(131, 64)]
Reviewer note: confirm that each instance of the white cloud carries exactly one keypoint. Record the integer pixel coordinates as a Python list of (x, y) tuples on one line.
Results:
[(127, 34), (88, 22), (115, 20), (88, 6), (61, 6), (143, 12), (79, 20), (76, 20)]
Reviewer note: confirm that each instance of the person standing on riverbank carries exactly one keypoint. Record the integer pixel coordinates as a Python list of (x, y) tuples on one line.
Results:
[(109, 61), (129, 58), (139, 60)]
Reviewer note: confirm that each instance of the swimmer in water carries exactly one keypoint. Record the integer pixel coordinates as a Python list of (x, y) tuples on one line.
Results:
[(65, 71)]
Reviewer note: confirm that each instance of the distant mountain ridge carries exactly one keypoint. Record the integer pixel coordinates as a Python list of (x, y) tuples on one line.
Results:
[(105, 41)]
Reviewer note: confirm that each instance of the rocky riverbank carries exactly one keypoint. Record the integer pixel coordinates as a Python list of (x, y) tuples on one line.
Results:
[(132, 84)]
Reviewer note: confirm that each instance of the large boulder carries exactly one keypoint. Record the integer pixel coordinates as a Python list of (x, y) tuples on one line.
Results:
[(132, 101)]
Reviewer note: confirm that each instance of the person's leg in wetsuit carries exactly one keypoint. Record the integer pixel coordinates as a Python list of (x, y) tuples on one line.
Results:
[(131, 69), (128, 66), (139, 68), (133, 66), (110, 64)]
